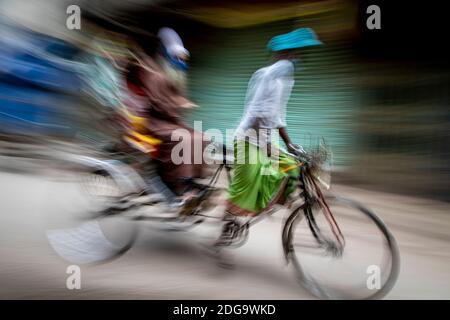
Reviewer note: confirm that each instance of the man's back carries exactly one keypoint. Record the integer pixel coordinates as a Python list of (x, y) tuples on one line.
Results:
[(267, 94)]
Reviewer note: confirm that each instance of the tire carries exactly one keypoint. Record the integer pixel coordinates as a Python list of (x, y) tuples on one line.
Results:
[(307, 274), (83, 235)]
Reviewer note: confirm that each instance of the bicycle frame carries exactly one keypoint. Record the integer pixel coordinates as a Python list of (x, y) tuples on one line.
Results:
[(307, 207), (306, 180)]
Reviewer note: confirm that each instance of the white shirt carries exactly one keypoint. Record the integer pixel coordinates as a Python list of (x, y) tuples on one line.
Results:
[(265, 105)]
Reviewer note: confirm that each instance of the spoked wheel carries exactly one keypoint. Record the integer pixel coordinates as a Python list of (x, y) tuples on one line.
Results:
[(102, 192), (364, 266), (84, 230)]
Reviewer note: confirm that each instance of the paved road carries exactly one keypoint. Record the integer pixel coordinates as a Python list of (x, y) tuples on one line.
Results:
[(173, 265)]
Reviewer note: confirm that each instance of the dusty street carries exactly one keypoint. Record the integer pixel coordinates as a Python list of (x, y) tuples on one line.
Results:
[(165, 265)]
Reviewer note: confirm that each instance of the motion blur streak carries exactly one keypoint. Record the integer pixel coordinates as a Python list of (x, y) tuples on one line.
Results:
[(380, 98)]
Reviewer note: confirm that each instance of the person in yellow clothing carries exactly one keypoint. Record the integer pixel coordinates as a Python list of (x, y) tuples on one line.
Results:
[(156, 94)]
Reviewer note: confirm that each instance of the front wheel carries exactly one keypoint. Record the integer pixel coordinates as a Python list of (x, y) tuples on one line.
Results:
[(364, 266)]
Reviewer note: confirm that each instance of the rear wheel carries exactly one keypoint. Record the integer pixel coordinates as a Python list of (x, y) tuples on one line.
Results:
[(81, 230), (366, 266)]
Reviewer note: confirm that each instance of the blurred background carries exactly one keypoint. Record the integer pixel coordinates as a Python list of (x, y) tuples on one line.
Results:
[(380, 98)]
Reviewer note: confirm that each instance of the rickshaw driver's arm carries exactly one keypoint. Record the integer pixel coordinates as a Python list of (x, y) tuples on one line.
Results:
[(293, 148)]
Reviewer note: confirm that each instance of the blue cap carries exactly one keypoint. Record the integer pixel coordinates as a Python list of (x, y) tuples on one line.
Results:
[(299, 38)]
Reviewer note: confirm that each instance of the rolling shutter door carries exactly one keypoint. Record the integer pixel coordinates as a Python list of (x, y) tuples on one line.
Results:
[(322, 101)]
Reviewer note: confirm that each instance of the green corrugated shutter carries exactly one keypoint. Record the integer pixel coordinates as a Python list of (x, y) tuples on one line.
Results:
[(322, 101)]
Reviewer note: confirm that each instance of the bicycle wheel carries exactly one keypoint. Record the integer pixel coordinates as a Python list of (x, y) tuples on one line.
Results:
[(367, 267), (76, 228)]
